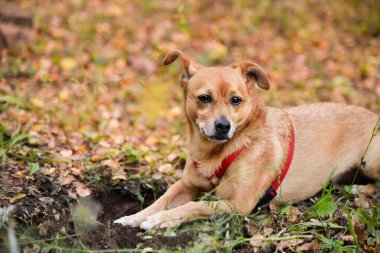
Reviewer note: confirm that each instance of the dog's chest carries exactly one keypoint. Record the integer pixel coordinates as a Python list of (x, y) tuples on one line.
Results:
[(207, 172)]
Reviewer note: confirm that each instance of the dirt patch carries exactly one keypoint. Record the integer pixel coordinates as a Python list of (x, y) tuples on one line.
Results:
[(117, 202), (45, 217)]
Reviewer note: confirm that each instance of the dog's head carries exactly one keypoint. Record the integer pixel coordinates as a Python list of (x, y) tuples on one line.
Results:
[(218, 100)]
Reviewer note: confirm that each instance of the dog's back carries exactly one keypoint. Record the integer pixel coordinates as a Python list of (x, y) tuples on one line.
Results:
[(329, 136)]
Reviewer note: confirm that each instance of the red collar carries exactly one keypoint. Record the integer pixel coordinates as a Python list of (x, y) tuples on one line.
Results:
[(227, 162), (271, 192), (224, 165)]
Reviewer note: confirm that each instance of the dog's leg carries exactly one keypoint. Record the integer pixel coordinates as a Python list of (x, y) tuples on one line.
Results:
[(177, 216), (176, 195), (242, 201)]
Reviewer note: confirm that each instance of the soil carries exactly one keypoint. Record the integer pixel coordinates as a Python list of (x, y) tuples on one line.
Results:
[(45, 215), (117, 202)]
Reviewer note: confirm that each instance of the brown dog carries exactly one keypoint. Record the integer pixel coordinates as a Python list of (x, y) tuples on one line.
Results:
[(226, 117)]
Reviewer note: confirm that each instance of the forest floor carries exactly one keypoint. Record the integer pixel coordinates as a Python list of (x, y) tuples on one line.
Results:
[(92, 128)]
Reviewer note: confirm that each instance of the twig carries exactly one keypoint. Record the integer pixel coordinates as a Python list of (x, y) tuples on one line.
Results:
[(281, 238), (375, 131)]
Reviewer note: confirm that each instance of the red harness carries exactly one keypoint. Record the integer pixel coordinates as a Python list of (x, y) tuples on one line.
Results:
[(272, 191)]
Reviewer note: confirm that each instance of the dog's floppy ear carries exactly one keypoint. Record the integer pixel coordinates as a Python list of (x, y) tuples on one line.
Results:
[(190, 67), (252, 72)]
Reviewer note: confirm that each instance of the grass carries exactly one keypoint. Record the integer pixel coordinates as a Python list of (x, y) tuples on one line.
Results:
[(10, 142), (232, 231)]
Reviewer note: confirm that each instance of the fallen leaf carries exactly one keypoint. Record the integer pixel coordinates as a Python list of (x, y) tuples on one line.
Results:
[(66, 153), (142, 65), (308, 246), (96, 158), (362, 202), (349, 238), (367, 190), (65, 179), (36, 102), (119, 175), (294, 213), (112, 164), (166, 168), (359, 228), (286, 244), (17, 198), (20, 174), (72, 194), (75, 171), (216, 50), (81, 149), (68, 63), (64, 94), (82, 189)]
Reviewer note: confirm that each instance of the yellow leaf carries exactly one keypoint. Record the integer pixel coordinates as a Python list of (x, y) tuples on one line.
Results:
[(68, 63), (17, 197)]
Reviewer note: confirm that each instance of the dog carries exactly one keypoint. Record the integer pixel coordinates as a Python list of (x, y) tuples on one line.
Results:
[(247, 152)]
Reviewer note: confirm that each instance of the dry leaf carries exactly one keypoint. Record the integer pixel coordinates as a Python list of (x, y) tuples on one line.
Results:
[(367, 190), (112, 164), (17, 198), (66, 153), (285, 244), (308, 246), (75, 171), (82, 189), (64, 180), (349, 238), (166, 168), (142, 65), (293, 216), (20, 174), (81, 149), (119, 175), (68, 63), (96, 158), (72, 194)]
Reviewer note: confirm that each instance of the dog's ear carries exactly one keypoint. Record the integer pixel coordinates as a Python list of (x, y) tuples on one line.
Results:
[(252, 72), (189, 66)]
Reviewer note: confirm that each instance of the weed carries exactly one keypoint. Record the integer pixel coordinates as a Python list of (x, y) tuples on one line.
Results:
[(8, 142), (371, 219), (33, 168)]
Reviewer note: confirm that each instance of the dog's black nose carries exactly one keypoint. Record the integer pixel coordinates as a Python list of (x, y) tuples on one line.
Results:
[(222, 126)]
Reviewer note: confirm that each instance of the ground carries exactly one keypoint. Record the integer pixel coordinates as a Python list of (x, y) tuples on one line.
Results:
[(91, 123)]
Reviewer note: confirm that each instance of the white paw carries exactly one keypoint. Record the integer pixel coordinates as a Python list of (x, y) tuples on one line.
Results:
[(148, 224), (128, 220), (161, 220)]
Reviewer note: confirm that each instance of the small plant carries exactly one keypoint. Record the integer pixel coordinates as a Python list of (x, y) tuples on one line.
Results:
[(33, 168), (325, 205), (371, 219), (10, 141)]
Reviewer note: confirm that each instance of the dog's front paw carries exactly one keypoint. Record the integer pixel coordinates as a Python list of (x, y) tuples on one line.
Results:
[(131, 220), (162, 219)]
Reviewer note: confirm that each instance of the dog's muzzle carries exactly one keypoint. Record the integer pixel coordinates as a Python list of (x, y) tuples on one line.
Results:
[(221, 131)]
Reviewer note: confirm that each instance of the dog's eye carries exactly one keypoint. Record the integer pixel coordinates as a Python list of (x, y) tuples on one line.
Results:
[(235, 100), (205, 99)]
